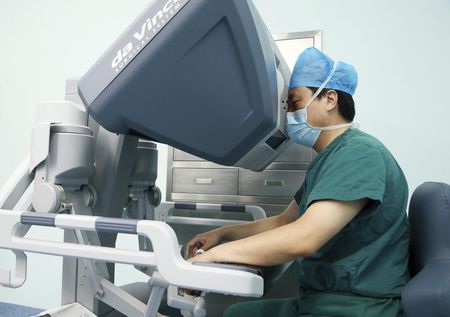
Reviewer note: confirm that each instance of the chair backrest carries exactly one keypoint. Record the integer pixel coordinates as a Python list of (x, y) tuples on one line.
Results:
[(428, 292)]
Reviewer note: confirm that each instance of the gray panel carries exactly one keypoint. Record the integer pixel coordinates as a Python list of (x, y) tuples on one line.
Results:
[(211, 181), (270, 183), (116, 225), (296, 153), (179, 155)]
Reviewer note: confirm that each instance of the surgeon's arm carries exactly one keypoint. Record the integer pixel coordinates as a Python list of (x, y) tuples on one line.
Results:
[(241, 231), (210, 239), (301, 238)]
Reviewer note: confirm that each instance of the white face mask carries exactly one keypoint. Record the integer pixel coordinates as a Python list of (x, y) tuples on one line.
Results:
[(297, 126)]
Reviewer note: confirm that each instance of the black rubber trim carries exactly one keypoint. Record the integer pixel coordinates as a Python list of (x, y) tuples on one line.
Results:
[(233, 208), (186, 206)]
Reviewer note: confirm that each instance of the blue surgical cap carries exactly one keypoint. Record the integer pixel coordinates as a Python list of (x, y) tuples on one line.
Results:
[(314, 67)]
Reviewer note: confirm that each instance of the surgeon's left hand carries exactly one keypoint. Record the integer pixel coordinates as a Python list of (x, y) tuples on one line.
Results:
[(207, 256)]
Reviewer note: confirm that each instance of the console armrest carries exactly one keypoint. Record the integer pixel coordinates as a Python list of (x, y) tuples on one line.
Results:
[(239, 267)]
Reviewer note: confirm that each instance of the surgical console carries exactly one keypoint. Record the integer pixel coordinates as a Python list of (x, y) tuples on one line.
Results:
[(203, 76)]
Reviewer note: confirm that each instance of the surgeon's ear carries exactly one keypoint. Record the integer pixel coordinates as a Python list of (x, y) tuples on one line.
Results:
[(332, 100)]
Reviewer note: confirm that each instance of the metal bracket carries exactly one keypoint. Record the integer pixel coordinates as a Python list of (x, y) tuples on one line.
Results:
[(6, 277)]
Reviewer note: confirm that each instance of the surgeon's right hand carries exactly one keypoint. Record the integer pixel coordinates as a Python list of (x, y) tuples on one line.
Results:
[(203, 241)]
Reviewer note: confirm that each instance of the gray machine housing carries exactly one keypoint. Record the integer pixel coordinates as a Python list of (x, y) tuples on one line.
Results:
[(204, 76)]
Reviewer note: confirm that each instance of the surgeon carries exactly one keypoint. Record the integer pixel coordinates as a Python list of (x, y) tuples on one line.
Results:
[(347, 225)]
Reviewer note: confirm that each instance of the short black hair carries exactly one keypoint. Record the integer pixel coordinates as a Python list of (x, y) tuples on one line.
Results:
[(346, 104)]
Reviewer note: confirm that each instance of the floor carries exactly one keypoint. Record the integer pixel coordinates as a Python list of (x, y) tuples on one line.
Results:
[(10, 310)]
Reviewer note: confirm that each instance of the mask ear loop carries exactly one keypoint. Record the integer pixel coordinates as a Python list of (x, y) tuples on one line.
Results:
[(338, 126)]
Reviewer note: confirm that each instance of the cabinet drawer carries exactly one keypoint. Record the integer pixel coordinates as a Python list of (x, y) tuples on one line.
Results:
[(270, 183), (272, 210), (179, 155), (295, 153), (205, 181)]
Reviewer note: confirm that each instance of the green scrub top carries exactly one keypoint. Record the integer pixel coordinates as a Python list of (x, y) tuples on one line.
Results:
[(361, 271), (369, 256)]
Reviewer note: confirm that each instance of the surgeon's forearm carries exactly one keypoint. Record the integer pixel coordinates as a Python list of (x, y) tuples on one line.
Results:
[(241, 231), (268, 248)]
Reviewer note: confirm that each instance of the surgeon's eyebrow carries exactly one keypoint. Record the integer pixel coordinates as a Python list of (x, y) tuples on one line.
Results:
[(294, 97), (291, 94)]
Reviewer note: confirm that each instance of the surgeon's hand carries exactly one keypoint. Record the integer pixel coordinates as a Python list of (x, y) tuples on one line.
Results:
[(203, 241)]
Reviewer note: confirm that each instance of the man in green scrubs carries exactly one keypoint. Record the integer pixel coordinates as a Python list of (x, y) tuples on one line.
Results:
[(347, 225)]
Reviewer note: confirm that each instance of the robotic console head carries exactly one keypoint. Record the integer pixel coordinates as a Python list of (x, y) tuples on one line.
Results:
[(202, 76)]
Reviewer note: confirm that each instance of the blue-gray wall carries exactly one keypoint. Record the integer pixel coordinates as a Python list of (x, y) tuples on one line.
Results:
[(400, 49)]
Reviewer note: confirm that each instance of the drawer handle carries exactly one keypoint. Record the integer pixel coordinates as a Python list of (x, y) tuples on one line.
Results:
[(273, 183), (204, 181)]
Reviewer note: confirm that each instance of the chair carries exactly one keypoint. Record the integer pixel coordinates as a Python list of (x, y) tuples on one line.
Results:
[(428, 292)]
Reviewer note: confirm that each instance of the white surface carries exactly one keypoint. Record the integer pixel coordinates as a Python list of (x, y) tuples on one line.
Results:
[(70, 310), (165, 258), (400, 49)]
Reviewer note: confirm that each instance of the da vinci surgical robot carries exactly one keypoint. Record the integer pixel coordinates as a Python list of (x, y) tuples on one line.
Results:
[(203, 76)]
